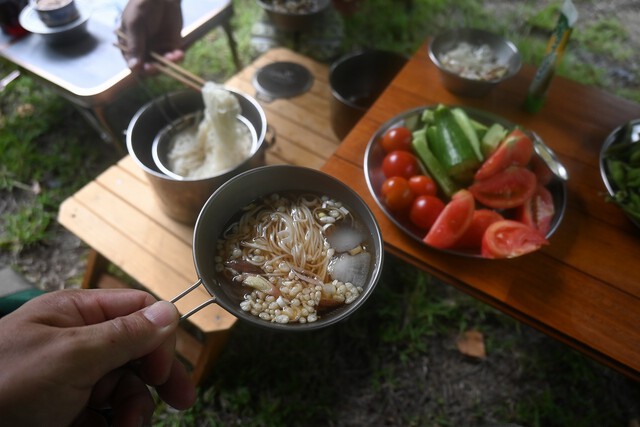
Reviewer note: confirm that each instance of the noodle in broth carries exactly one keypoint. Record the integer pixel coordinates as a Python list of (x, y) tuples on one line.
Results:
[(279, 255)]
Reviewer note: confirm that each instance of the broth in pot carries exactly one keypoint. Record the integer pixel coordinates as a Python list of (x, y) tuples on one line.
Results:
[(293, 257)]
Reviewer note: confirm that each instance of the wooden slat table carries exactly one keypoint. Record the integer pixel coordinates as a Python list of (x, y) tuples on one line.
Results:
[(118, 217), (584, 288)]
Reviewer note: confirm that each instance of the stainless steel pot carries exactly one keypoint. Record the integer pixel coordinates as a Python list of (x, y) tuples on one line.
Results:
[(182, 199), (293, 21), (356, 80), (245, 188)]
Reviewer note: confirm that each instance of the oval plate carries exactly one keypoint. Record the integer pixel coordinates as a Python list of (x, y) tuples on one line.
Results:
[(374, 155)]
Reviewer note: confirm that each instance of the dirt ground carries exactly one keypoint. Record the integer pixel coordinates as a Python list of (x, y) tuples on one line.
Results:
[(460, 383)]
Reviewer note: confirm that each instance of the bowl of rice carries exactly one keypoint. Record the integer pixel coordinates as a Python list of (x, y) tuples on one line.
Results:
[(212, 136), (472, 61)]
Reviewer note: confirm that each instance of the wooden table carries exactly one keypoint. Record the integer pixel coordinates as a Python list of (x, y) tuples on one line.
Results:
[(584, 288), (118, 217)]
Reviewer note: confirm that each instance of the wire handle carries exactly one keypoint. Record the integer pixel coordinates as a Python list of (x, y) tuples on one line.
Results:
[(196, 309)]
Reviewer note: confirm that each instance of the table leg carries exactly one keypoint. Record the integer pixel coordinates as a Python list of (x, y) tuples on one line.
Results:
[(233, 46), (96, 268), (98, 121), (200, 351)]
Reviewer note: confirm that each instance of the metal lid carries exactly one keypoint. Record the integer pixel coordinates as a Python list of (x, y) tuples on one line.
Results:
[(282, 80)]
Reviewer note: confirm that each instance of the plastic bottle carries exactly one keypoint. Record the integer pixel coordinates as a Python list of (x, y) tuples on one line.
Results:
[(555, 49)]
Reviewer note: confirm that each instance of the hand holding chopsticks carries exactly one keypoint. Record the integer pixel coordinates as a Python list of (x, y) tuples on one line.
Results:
[(168, 67)]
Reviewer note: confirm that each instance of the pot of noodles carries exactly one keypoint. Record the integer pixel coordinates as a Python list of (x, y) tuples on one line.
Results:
[(286, 247), (208, 137)]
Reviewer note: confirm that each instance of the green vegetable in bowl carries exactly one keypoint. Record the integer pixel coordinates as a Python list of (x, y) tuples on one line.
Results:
[(492, 138), (623, 166), (453, 146), (435, 169)]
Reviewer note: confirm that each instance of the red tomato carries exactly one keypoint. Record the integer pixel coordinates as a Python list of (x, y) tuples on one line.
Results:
[(506, 189), (541, 170), (396, 194), (425, 210), (398, 138), (482, 219), (509, 239), (452, 222), (400, 163), (423, 185), (537, 212), (515, 150)]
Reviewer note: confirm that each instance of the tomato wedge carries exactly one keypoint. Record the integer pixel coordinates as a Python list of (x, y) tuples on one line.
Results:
[(509, 239), (482, 219), (541, 170), (452, 222), (537, 212), (506, 189), (515, 150)]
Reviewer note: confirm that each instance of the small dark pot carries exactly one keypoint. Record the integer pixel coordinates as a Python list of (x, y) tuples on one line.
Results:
[(293, 21), (356, 82)]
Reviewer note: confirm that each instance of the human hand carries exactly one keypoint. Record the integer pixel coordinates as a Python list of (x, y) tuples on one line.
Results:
[(151, 26), (68, 354)]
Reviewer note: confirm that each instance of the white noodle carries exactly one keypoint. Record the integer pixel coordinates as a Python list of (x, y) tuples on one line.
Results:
[(284, 237), (218, 143)]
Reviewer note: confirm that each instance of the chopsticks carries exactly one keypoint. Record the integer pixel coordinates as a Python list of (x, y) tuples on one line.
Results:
[(168, 68)]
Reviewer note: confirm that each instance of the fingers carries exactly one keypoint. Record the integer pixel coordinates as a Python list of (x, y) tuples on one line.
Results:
[(132, 403), (155, 367), (101, 330), (178, 391), (126, 396), (118, 341), (149, 25)]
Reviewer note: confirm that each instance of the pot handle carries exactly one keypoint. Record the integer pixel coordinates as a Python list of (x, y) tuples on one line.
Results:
[(270, 138), (196, 309)]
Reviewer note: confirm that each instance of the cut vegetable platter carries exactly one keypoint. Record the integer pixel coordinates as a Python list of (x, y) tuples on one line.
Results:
[(498, 197)]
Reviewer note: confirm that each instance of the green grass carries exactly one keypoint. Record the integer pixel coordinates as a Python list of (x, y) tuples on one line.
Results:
[(258, 379), (39, 166), (268, 378)]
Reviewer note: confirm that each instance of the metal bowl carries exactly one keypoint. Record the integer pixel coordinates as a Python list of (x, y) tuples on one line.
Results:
[(503, 51), (163, 142), (374, 175), (233, 196), (356, 80), (288, 21), (182, 199), (622, 136)]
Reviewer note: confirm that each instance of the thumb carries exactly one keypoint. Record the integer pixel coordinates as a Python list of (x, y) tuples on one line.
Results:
[(111, 344)]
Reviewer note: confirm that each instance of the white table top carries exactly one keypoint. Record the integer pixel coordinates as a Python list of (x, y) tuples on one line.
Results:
[(91, 70)]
